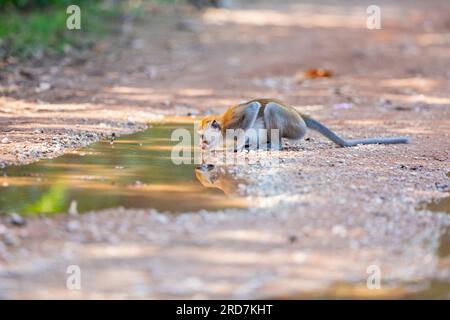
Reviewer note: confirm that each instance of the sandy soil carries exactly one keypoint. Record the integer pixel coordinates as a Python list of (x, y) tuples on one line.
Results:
[(322, 216)]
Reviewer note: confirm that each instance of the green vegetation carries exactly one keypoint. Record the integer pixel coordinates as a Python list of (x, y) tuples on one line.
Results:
[(31, 27), (51, 201), (32, 4), (34, 27)]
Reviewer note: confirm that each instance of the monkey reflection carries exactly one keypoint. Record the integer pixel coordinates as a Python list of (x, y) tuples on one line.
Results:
[(218, 177)]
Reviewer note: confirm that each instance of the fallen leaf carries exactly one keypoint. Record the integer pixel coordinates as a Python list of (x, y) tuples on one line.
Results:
[(317, 73), (314, 73)]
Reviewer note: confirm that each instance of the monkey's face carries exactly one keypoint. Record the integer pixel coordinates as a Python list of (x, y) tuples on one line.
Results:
[(210, 133)]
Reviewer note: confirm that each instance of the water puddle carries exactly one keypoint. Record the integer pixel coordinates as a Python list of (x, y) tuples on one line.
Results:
[(438, 289), (135, 171), (440, 205)]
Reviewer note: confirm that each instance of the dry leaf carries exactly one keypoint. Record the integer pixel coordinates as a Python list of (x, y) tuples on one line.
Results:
[(317, 73)]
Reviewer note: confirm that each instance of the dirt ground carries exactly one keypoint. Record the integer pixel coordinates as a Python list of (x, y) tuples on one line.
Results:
[(321, 217)]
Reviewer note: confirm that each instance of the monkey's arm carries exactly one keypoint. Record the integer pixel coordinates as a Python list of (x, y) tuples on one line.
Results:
[(316, 125), (242, 116)]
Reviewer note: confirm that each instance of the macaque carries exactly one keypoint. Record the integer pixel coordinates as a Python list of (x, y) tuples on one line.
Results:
[(269, 114)]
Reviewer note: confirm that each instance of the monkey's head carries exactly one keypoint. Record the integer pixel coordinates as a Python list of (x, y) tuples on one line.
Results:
[(210, 132)]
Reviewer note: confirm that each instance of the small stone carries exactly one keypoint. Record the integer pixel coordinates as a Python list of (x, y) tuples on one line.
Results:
[(161, 218), (10, 240), (343, 105), (299, 257), (73, 226), (339, 230), (5, 140), (43, 86), (292, 238), (188, 25), (17, 220)]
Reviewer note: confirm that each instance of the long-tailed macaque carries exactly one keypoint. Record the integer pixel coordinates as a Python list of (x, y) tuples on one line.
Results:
[(271, 114)]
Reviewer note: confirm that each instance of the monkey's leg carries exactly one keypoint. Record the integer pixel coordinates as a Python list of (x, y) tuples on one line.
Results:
[(246, 137), (288, 122)]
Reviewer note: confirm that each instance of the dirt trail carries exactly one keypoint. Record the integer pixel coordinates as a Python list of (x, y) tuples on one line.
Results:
[(324, 214)]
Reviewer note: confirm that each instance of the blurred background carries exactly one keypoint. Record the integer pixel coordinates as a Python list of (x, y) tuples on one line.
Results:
[(317, 222)]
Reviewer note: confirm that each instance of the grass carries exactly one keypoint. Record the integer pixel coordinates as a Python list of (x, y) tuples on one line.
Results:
[(39, 26), (23, 34)]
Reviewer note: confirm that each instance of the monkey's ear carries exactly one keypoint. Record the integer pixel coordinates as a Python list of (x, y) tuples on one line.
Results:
[(215, 124)]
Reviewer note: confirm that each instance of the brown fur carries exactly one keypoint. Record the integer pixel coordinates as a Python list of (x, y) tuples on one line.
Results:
[(233, 116), (289, 122)]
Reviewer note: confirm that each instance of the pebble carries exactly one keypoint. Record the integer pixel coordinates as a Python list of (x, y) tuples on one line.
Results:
[(343, 105), (43, 86), (17, 220), (73, 225), (339, 230), (10, 240), (5, 140), (188, 25), (292, 238)]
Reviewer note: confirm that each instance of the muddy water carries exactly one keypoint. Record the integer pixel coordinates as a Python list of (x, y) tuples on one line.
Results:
[(438, 288), (441, 205), (135, 171)]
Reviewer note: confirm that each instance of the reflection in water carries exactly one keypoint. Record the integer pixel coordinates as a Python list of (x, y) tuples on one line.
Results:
[(438, 205), (444, 244), (218, 177), (439, 288), (134, 172), (441, 205)]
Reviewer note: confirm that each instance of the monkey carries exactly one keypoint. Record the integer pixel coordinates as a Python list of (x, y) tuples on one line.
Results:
[(271, 114)]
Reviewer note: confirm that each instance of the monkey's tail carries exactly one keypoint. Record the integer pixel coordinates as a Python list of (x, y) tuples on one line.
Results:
[(393, 140), (317, 126)]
